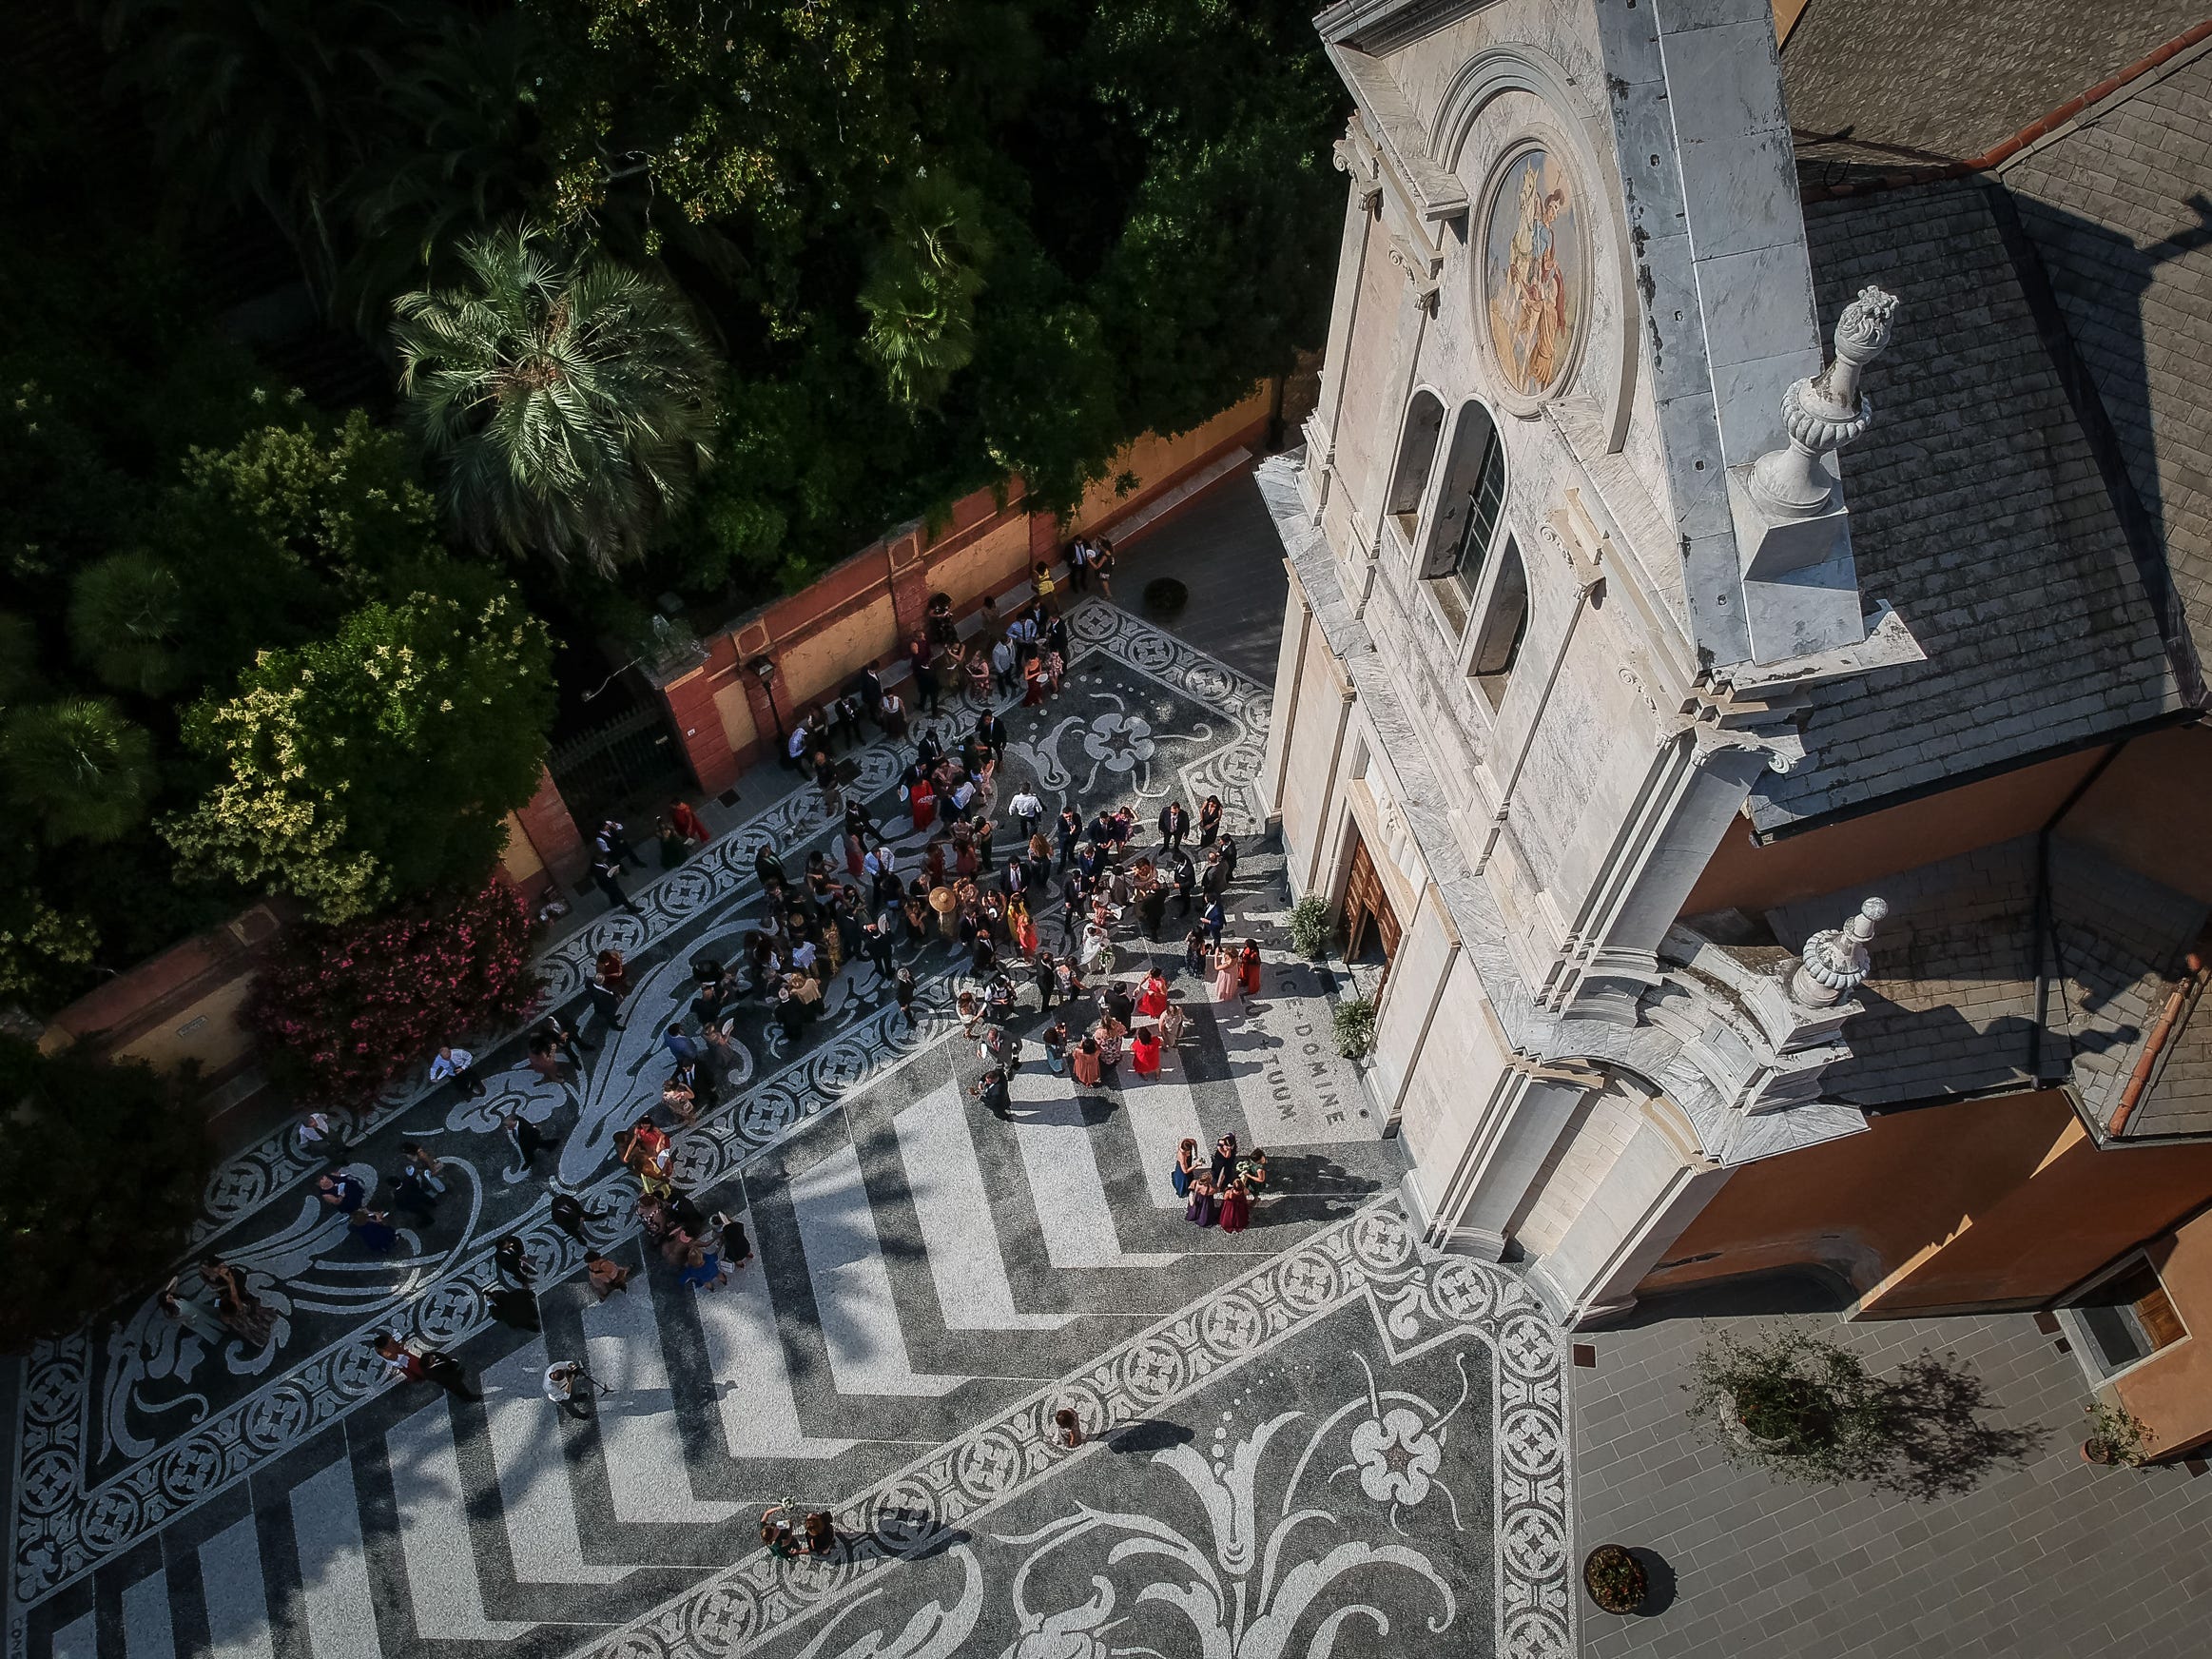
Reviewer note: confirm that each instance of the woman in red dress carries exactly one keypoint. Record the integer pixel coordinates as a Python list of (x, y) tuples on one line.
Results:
[(689, 823), (1144, 1052), (1153, 1001), (614, 971), (1235, 1207), (1248, 965), (921, 802)]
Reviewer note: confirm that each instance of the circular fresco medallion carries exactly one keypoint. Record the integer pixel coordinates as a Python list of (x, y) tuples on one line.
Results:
[(1534, 273)]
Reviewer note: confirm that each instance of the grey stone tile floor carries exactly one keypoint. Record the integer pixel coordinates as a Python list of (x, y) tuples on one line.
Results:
[(2057, 1557), (1306, 1431)]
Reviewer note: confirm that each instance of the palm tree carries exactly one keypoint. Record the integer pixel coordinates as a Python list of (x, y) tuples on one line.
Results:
[(127, 614), (82, 768), (921, 293), (566, 402)]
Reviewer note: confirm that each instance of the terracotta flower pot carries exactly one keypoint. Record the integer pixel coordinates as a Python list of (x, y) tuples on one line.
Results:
[(2097, 1452)]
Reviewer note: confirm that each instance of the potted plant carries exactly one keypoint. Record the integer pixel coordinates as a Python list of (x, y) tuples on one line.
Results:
[(1615, 1579), (2117, 1436), (1311, 926), (1797, 1404), (1354, 1027), (1791, 1398)]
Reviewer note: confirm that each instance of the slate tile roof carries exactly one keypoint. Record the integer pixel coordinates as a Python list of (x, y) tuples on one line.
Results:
[(1978, 510), (1904, 81), (1952, 1003), (2119, 210)]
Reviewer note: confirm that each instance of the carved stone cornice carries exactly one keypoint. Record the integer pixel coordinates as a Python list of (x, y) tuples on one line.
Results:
[(1353, 156), (1421, 269)]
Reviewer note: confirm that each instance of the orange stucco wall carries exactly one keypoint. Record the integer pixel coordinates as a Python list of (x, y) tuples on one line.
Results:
[(2147, 808), (1992, 1204), (2172, 1390), (1746, 876), (2138, 811), (863, 609)]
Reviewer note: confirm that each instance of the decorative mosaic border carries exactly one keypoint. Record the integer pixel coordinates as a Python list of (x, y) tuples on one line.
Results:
[(1418, 1300), (60, 1529)]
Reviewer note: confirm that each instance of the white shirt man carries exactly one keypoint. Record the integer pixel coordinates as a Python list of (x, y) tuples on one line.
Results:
[(880, 861), (1027, 808), (450, 1062), (803, 957), (560, 1380)]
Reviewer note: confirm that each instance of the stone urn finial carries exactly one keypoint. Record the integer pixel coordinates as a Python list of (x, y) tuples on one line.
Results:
[(1836, 959), (1824, 412)]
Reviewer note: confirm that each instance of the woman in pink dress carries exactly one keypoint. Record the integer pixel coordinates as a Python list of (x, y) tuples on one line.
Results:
[(1226, 979)]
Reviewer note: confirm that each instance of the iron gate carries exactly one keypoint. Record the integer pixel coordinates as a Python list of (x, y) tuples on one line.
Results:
[(602, 771)]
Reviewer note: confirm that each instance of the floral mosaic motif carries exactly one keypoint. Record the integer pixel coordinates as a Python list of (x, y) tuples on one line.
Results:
[(1292, 1530), (134, 1428), (1396, 1452)]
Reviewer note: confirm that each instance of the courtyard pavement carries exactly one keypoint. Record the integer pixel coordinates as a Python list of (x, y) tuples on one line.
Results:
[(2057, 1559), (1305, 1433)]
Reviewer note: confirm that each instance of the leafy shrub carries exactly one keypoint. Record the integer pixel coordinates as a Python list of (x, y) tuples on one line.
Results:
[(379, 765), (1804, 1408), (1311, 926), (101, 1171), (1616, 1578), (340, 1011), (1354, 1026), (2117, 1436)]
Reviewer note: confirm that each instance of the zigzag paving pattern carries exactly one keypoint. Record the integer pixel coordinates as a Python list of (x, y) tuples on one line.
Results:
[(931, 1280)]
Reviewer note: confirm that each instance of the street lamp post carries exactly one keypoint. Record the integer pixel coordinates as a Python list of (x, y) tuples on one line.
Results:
[(764, 670)]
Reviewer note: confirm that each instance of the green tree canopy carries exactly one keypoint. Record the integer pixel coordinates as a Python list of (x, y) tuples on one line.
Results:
[(566, 399), (378, 764), (101, 1170), (81, 770), (936, 239)]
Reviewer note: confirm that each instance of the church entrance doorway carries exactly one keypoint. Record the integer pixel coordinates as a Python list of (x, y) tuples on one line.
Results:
[(1370, 926)]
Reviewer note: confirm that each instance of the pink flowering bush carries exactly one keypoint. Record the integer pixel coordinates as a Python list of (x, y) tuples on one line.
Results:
[(342, 1011)]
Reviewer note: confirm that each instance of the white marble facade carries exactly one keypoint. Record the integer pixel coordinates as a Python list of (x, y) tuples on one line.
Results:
[(1541, 640)]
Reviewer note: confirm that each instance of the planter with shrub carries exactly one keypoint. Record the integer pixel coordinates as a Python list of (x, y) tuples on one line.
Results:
[(1615, 1579), (2117, 1436), (1804, 1408), (1354, 1027), (1790, 1397), (1311, 927)]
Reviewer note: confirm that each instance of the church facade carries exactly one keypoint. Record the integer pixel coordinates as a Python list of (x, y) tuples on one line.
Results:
[(1601, 717)]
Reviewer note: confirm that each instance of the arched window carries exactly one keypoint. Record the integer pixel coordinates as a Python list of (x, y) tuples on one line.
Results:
[(1504, 625), (1468, 507), (1416, 459)]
